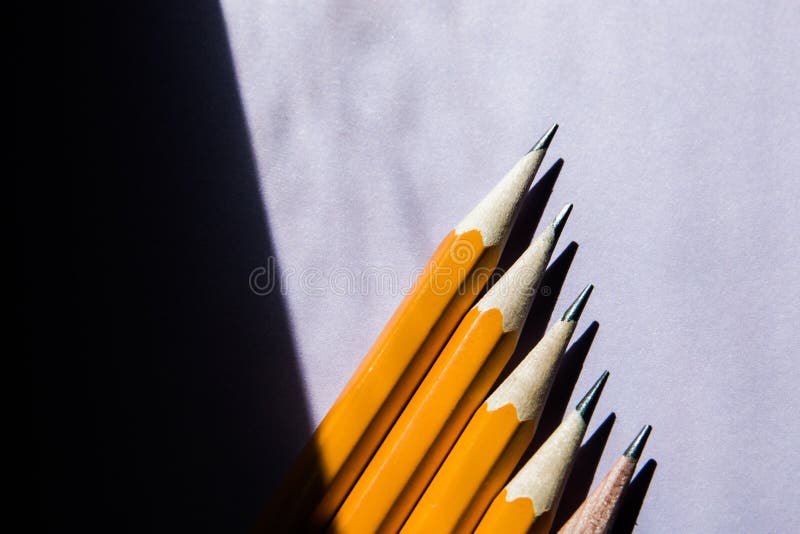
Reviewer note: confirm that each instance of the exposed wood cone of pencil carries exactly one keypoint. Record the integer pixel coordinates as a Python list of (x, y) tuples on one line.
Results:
[(597, 513), (353, 428), (455, 386), (496, 437), (528, 503)]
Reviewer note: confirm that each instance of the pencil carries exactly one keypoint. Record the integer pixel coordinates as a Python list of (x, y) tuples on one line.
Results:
[(456, 384), (353, 428), (495, 438), (597, 513), (528, 503)]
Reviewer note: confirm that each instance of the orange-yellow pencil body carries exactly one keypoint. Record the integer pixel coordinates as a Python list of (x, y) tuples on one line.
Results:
[(353, 428), (597, 513), (493, 462), (529, 502), (495, 439), (456, 384)]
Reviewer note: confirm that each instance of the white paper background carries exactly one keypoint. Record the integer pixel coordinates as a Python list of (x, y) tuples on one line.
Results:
[(376, 127)]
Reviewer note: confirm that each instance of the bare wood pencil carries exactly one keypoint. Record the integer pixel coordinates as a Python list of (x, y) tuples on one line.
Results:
[(455, 386), (495, 439), (353, 428), (597, 513), (528, 503)]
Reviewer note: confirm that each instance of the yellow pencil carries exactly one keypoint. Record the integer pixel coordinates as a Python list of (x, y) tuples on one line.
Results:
[(495, 439), (528, 503), (353, 428), (456, 384)]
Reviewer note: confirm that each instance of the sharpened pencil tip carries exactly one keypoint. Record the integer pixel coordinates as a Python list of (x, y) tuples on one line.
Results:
[(575, 309), (589, 401), (636, 447), (561, 219), (544, 142)]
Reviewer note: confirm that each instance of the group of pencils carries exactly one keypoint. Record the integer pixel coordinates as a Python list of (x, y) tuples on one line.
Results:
[(421, 440)]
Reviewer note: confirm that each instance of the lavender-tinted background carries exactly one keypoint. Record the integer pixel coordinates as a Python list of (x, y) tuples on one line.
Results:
[(376, 127)]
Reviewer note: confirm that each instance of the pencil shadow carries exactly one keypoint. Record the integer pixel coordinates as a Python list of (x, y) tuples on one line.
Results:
[(545, 302), (563, 386), (183, 402), (583, 471), (634, 499), (530, 215), (542, 308)]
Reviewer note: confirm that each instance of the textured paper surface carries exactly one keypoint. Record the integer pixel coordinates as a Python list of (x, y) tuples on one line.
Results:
[(376, 128)]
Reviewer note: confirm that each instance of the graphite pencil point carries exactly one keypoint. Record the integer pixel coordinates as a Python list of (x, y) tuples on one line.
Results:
[(573, 313), (636, 447), (561, 220), (544, 142), (588, 403)]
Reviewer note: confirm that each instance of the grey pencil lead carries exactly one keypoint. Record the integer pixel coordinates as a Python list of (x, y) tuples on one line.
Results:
[(589, 401), (545, 140), (636, 447), (561, 220), (575, 309)]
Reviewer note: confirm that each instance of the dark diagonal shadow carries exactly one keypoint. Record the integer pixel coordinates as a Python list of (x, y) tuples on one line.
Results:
[(634, 498), (563, 386), (583, 471), (170, 399), (530, 215), (542, 308), (545, 302)]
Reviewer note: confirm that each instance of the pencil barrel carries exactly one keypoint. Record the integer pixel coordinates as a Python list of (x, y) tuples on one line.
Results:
[(353, 428)]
